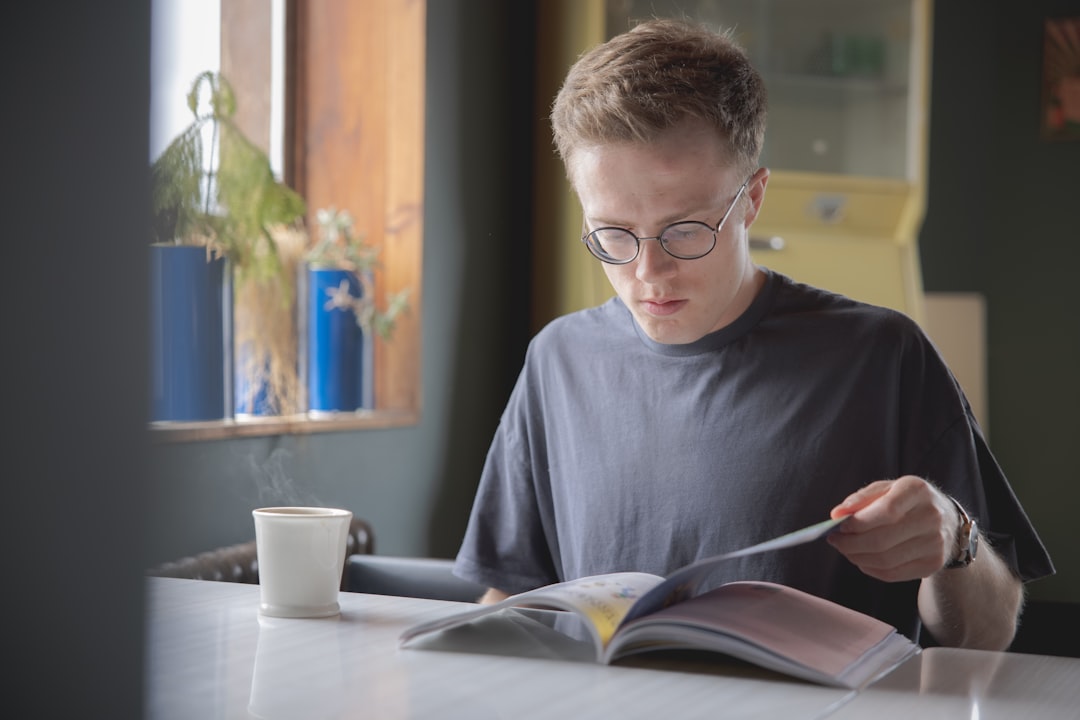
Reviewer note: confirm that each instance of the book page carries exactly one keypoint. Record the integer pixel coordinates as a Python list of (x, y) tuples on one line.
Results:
[(601, 600), (686, 582), (799, 626)]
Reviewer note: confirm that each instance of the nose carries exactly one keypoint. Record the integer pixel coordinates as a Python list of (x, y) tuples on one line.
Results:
[(653, 261)]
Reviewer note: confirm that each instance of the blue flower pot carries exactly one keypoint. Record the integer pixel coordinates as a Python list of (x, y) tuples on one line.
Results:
[(339, 357), (190, 307)]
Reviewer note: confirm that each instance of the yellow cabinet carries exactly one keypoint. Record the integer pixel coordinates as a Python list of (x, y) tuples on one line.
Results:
[(848, 84), (849, 234)]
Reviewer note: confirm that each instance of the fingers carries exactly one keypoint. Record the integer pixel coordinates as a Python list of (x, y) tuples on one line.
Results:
[(887, 502), (890, 556), (861, 498), (899, 529)]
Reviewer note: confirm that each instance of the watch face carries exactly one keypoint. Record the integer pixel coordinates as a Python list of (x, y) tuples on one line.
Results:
[(967, 540)]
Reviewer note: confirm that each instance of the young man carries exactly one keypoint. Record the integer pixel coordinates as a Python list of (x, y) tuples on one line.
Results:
[(714, 404)]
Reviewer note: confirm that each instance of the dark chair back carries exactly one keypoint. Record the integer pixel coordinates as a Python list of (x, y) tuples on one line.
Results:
[(240, 563), (408, 577)]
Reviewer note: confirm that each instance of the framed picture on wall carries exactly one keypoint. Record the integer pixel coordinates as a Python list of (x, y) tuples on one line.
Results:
[(1061, 79)]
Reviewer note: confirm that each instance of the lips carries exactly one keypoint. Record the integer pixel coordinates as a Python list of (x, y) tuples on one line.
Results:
[(663, 308)]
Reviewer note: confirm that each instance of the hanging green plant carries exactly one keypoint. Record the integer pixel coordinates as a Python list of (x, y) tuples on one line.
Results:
[(212, 186)]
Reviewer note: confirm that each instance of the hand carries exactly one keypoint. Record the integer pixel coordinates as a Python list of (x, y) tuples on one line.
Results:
[(900, 529)]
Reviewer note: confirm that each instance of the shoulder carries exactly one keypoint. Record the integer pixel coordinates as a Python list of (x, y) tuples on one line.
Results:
[(826, 328), (887, 343), (580, 330), (835, 316)]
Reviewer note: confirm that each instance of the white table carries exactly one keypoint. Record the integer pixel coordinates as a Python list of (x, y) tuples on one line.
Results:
[(211, 655)]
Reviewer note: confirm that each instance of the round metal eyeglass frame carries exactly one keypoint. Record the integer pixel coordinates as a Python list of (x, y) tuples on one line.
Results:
[(592, 238)]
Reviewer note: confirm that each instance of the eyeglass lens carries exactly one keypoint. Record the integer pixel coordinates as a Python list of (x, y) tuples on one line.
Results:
[(687, 240)]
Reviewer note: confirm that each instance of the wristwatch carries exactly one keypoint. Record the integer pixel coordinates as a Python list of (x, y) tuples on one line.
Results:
[(967, 539)]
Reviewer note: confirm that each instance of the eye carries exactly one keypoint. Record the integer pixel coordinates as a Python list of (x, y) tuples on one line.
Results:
[(613, 235), (685, 232)]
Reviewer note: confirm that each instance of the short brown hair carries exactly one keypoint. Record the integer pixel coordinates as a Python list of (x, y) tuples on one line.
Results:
[(650, 79)]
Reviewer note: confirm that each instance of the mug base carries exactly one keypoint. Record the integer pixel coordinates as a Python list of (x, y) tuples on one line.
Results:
[(300, 611)]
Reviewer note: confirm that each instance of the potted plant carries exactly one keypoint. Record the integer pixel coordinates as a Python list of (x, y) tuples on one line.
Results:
[(215, 200), (342, 316)]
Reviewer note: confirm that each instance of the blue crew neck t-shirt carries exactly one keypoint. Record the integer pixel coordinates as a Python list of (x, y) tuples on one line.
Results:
[(618, 453)]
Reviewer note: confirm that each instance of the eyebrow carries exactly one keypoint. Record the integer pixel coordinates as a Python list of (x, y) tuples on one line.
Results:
[(664, 222)]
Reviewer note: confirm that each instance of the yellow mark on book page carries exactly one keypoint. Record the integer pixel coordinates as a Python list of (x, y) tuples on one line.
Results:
[(605, 599)]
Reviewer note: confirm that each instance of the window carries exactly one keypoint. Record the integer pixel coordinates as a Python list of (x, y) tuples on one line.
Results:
[(353, 137)]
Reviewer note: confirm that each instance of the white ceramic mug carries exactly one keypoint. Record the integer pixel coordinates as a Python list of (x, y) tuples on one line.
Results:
[(301, 552)]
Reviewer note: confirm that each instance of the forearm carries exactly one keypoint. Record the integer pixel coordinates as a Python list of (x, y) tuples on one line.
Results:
[(907, 529), (973, 607)]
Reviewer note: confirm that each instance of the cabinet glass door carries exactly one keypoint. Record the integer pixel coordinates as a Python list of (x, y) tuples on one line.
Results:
[(841, 75)]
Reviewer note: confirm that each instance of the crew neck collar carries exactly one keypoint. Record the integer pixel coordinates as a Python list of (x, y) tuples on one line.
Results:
[(725, 335)]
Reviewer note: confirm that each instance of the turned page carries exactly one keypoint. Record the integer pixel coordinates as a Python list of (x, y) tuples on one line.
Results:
[(801, 627)]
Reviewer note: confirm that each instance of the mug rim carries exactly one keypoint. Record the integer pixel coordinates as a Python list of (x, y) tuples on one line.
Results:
[(300, 511)]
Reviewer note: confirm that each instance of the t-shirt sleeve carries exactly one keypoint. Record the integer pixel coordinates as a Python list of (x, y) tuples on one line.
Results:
[(957, 459), (962, 464), (506, 545)]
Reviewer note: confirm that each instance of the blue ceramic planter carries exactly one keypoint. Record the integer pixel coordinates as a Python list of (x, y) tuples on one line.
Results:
[(190, 305), (339, 357)]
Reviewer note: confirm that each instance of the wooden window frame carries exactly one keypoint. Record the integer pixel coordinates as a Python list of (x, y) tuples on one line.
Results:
[(355, 140)]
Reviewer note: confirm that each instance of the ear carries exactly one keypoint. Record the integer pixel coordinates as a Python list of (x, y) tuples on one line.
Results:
[(755, 191)]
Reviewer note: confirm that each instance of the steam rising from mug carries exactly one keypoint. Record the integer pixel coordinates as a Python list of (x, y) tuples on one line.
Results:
[(274, 484)]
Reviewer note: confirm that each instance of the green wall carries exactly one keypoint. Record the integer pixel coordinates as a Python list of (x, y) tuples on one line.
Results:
[(1003, 219), (74, 134)]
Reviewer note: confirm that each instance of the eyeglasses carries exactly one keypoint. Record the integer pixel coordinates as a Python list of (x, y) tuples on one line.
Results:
[(685, 240)]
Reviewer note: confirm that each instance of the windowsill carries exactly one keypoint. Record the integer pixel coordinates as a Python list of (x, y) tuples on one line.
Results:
[(299, 424)]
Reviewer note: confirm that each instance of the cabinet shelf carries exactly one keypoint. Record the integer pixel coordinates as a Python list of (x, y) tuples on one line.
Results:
[(835, 85)]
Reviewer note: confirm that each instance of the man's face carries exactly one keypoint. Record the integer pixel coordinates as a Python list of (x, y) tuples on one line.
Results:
[(687, 175)]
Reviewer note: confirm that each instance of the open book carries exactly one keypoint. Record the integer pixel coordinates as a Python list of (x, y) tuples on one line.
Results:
[(770, 625)]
